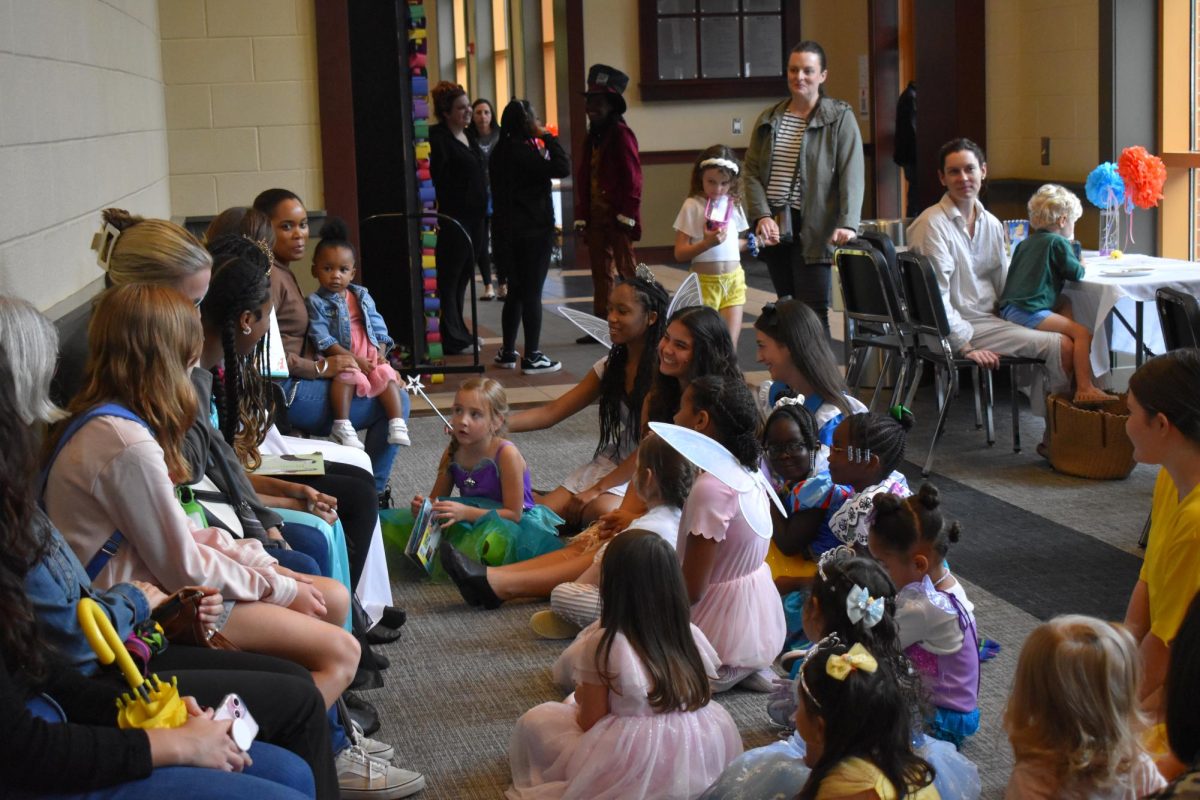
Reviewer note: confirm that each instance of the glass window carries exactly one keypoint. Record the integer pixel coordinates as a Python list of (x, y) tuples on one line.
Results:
[(707, 49)]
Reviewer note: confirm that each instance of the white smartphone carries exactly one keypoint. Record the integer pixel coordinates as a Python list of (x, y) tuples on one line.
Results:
[(244, 728)]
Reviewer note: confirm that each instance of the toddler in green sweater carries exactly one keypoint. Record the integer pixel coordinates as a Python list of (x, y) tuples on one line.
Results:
[(1040, 266)]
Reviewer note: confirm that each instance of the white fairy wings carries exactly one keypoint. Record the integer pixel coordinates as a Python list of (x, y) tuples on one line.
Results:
[(687, 296)]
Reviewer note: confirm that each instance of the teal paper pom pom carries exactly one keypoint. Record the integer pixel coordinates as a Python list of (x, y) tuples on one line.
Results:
[(1103, 180)]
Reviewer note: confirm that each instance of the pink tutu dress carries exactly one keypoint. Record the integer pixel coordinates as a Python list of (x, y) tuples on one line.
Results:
[(740, 612), (366, 384), (634, 752)]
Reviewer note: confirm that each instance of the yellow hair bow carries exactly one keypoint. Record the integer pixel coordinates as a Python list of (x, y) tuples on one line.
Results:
[(842, 664)]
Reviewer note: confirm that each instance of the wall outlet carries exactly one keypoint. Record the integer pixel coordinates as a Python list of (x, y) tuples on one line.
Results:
[(1045, 151), (737, 126)]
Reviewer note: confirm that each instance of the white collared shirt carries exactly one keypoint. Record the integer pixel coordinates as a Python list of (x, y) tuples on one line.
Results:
[(970, 270)]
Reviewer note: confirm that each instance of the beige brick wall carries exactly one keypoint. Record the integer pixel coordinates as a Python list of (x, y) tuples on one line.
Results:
[(1043, 80), (241, 101), (82, 127)]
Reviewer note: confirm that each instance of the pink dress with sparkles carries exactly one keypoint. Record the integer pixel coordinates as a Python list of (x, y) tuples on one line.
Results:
[(634, 752), (366, 384), (740, 612)]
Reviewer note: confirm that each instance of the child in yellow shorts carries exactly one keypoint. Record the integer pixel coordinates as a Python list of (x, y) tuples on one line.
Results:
[(706, 233)]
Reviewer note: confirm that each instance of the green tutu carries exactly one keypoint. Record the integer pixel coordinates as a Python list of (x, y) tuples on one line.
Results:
[(491, 539)]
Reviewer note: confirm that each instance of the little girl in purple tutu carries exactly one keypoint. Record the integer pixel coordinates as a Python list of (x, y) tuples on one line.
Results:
[(342, 321), (641, 722)]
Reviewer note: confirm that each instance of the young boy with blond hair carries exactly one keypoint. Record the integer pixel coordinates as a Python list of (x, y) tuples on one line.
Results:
[(1040, 266)]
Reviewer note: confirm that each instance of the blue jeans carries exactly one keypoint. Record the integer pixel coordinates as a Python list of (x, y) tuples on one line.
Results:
[(276, 774), (307, 541), (310, 412)]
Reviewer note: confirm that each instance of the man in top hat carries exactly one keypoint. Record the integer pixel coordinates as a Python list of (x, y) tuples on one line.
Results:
[(608, 185)]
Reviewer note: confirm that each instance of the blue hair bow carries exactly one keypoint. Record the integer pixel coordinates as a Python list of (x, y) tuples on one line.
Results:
[(860, 606)]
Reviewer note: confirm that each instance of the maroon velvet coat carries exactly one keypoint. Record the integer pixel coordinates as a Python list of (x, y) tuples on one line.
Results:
[(620, 178)]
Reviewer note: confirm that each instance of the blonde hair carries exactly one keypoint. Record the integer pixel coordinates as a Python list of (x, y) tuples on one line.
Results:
[(492, 392), (141, 340), (31, 348), (1074, 702), (1051, 202), (152, 251)]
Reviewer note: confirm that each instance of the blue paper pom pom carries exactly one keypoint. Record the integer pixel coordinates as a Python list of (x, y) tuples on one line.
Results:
[(1101, 181)]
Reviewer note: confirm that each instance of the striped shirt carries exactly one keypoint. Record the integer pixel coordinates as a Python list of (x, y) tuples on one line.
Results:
[(784, 155)]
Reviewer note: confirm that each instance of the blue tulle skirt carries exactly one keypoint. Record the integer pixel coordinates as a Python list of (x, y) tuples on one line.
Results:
[(952, 726), (778, 771), (491, 539)]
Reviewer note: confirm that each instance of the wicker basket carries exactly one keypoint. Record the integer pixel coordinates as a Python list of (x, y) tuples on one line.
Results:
[(1089, 442)]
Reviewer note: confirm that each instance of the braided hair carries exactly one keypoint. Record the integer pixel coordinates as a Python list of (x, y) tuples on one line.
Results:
[(805, 422), (884, 436), (673, 473), (731, 407), (712, 354), (240, 283), (652, 297), (899, 524)]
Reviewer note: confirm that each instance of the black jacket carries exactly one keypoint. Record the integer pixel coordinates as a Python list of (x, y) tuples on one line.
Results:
[(457, 170), (521, 173)]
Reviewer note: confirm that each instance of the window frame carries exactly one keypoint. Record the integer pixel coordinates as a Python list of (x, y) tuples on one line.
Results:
[(655, 89)]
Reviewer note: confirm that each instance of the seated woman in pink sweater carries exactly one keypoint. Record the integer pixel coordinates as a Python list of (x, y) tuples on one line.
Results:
[(111, 484)]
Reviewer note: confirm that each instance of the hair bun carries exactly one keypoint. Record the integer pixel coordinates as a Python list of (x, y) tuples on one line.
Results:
[(334, 229), (928, 496), (902, 415), (120, 219), (954, 533), (886, 503)]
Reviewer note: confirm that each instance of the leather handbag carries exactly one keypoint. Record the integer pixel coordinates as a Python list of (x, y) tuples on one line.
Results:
[(179, 617)]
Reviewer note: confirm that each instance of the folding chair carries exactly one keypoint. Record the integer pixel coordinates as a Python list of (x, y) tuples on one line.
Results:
[(874, 314), (929, 323), (1179, 316)]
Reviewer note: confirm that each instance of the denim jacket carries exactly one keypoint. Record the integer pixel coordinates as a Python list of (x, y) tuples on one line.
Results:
[(329, 319), (55, 586)]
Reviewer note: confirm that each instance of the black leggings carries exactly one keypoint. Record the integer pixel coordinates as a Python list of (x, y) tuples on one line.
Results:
[(528, 262), (280, 694), (358, 507), (792, 276), (455, 268)]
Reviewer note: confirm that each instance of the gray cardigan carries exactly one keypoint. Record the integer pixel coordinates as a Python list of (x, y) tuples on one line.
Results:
[(829, 184)]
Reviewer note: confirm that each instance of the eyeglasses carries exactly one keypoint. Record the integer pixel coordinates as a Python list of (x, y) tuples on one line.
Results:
[(197, 302), (792, 448)]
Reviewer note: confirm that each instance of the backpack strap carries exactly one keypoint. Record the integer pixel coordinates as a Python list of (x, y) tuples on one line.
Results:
[(113, 544)]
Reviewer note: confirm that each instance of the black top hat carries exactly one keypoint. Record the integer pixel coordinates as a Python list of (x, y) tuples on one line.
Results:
[(603, 79)]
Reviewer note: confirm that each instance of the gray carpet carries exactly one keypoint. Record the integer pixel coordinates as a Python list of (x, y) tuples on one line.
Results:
[(1036, 543)]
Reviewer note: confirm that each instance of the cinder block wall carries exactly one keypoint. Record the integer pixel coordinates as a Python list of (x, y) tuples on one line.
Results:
[(82, 127), (241, 101)]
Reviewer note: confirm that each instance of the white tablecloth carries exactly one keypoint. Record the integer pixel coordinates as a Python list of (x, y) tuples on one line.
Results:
[(1104, 289)]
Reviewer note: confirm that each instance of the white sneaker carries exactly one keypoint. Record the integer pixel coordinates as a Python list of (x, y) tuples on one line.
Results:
[(372, 747), (343, 433), (398, 432), (361, 777)]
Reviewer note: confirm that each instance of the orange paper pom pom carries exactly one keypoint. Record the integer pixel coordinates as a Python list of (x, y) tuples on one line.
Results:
[(1144, 175)]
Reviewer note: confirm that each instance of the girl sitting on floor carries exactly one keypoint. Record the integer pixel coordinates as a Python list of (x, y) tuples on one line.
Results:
[(856, 718), (791, 445), (866, 450), (1073, 717), (724, 535), (620, 381), (641, 722), (662, 480), (911, 538), (792, 345), (493, 483), (852, 599)]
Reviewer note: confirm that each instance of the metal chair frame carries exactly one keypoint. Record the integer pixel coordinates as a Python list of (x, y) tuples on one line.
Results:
[(928, 320), (875, 315)]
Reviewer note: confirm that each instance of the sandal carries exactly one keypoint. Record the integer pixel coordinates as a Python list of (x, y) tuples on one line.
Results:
[(488, 295)]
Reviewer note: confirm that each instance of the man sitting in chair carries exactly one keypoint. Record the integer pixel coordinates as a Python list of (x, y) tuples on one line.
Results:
[(965, 243)]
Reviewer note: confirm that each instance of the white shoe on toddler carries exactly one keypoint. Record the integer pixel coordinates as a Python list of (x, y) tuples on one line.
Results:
[(343, 433), (398, 432)]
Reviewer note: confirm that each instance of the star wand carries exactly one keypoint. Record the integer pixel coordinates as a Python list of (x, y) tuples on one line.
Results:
[(412, 385)]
